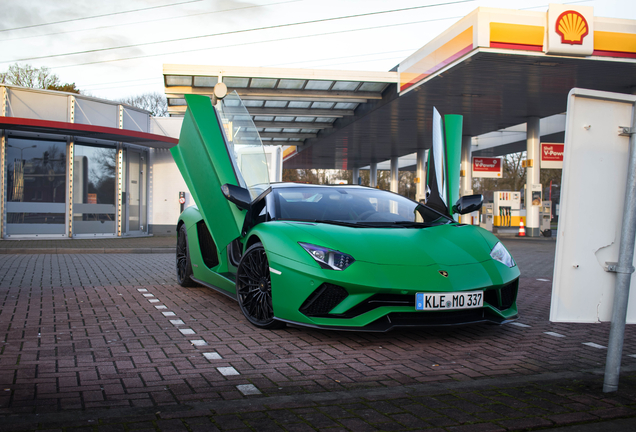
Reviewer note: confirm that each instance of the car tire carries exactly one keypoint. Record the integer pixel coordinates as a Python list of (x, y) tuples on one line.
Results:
[(254, 289), (184, 266)]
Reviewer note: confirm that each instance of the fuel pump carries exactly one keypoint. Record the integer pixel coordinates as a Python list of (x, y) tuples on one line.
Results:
[(507, 208), (545, 216)]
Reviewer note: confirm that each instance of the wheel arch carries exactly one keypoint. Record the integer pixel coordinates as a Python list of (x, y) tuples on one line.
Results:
[(252, 239), (189, 217)]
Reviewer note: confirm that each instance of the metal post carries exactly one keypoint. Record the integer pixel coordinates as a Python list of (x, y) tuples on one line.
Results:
[(70, 164), (355, 176), (4, 102), (466, 170), (373, 174), (120, 202), (624, 272), (532, 174), (395, 175), (3, 185), (420, 185), (3, 149)]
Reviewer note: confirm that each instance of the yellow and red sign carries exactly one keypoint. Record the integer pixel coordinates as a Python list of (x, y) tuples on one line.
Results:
[(436, 60), (572, 27), (552, 155), (570, 30), (487, 167)]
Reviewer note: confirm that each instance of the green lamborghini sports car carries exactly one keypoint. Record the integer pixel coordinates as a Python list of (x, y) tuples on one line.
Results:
[(335, 257)]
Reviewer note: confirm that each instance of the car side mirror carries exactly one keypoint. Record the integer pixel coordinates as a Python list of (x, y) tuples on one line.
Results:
[(468, 204), (238, 195)]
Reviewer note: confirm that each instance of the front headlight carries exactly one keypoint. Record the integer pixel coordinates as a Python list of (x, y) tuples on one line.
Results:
[(501, 254), (328, 258)]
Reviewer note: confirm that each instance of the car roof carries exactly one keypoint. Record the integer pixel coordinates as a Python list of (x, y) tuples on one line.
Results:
[(309, 185)]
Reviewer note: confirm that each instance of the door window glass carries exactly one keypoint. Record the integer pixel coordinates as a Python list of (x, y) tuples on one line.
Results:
[(134, 180), (244, 145), (94, 178)]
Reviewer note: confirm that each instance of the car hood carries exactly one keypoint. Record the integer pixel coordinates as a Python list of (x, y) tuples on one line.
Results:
[(446, 245)]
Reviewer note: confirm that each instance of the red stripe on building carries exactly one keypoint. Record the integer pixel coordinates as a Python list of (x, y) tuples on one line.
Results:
[(614, 54), (521, 47)]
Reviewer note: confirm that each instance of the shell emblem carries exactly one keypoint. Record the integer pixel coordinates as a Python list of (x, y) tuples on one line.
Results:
[(572, 27)]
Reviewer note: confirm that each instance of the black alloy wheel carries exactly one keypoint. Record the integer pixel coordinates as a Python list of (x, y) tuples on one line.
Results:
[(184, 266), (254, 288)]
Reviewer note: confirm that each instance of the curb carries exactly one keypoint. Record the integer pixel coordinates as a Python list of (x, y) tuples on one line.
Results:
[(54, 251)]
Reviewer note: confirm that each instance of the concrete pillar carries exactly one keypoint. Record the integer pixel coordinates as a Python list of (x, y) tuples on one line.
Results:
[(466, 171), (355, 176), (395, 178), (533, 148), (373, 174), (420, 167)]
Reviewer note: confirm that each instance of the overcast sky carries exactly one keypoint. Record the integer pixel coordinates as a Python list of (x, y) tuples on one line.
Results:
[(116, 48)]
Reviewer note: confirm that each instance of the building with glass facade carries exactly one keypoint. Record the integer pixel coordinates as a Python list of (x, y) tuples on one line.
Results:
[(76, 166)]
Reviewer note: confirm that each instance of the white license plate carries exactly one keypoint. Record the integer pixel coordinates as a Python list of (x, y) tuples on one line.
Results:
[(449, 301)]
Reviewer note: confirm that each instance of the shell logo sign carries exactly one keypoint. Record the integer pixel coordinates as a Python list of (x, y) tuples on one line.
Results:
[(572, 27), (570, 30)]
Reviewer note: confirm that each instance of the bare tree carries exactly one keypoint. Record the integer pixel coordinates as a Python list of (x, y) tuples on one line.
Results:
[(154, 102), (29, 76)]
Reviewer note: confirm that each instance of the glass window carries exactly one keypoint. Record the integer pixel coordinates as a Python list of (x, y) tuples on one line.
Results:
[(244, 145), (36, 186), (94, 179)]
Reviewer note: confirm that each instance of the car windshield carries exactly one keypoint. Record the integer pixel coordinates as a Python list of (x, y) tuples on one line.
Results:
[(359, 206)]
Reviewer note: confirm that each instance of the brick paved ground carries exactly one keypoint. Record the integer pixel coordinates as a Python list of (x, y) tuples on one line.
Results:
[(92, 337)]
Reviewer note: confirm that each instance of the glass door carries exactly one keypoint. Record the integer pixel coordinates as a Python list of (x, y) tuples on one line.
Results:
[(136, 193), (94, 188)]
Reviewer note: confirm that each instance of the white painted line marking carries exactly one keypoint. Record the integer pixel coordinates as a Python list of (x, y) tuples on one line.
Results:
[(275, 272), (554, 334), (248, 389), (177, 322), (518, 324), (198, 342), (153, 300), (169, 313), (187, 331), (142, 290), (212, 356), (544, 280), (161, 307), (594, 345), (149, 295), (229, 370), (632, 355)]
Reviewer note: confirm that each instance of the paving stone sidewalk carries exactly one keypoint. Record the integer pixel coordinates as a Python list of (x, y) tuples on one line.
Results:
[(495, 405), (112, 343)]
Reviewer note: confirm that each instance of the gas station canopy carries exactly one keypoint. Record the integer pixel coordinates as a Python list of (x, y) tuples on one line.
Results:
[(495, 67), (287, 105)]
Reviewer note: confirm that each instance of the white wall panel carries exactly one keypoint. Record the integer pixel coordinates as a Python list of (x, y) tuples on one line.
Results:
[(592, 201), (37, 105), (96, 113), (135, 120)]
